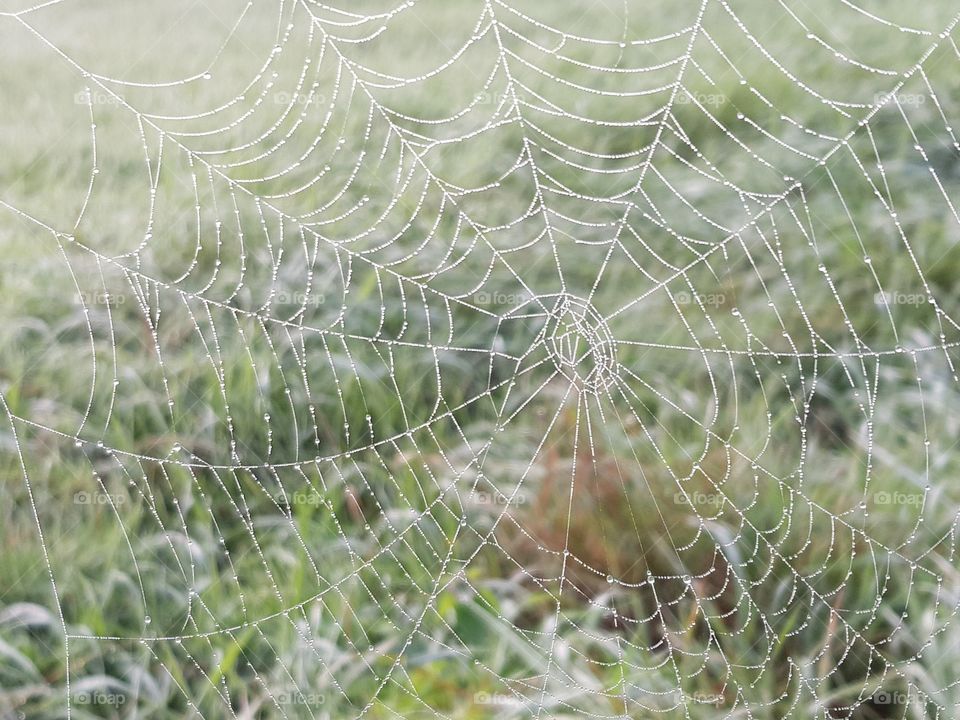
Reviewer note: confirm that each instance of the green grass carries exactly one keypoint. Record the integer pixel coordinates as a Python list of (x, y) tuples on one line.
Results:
[(207, 565)]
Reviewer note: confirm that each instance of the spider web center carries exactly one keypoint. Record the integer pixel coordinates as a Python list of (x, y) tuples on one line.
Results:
[(581, 345)]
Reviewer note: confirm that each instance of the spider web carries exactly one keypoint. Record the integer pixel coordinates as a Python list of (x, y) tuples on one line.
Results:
[(518, 338)]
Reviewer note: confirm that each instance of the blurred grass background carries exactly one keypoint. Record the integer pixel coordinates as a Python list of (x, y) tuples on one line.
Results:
[(779, 455)]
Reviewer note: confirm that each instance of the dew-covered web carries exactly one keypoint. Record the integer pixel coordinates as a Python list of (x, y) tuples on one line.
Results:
[(535, 342)]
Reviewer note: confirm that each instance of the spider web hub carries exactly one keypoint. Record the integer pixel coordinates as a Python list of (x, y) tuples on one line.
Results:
[(580, 344)]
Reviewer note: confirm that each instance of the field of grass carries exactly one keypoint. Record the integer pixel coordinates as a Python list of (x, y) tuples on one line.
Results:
[(467, 359)]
